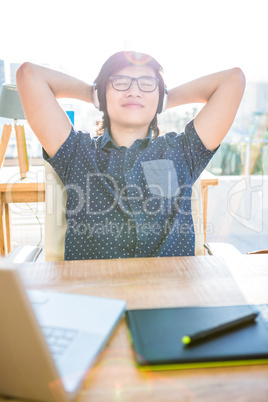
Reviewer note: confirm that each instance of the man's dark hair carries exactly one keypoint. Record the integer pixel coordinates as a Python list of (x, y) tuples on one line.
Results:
[(117, 62)]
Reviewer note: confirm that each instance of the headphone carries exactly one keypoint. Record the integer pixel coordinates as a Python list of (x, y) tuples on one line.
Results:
[(160, 108)]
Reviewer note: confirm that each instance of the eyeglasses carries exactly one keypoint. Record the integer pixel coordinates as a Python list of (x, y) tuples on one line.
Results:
[(123, 83)]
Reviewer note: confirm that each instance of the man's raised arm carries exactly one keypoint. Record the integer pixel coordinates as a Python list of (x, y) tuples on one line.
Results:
[(39, 87)]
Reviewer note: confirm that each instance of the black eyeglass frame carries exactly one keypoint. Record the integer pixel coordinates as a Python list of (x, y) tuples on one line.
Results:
[(113, 77)]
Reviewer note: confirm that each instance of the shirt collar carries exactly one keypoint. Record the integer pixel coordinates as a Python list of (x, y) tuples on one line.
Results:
[(106, 140)]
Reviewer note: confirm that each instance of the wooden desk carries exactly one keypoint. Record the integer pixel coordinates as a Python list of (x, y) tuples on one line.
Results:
[(158, 282)]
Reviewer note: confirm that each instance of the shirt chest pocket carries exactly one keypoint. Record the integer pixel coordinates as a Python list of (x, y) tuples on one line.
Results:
[(161, 177)]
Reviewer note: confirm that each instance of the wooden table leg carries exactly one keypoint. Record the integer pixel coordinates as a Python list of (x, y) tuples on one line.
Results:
[(5, 246), (204, 192), (7, 222), (2, 229)]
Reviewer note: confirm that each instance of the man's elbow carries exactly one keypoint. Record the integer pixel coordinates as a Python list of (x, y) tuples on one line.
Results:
[(24, 72), (239, 78)]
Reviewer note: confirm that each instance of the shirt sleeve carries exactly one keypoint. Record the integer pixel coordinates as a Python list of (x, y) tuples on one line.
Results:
[(197, 156), (63, 159)]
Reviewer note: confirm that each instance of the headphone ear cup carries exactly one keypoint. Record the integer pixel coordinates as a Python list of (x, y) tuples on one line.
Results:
[(162, 108), (165, 100), (95, 98)]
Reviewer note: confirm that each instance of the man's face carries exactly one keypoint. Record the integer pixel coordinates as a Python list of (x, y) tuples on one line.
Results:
[(133, 107)]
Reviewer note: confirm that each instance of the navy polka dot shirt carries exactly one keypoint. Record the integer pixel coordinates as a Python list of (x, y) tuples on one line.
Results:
[(129, 202)]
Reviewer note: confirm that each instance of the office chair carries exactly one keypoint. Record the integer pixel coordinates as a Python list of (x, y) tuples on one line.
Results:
[(55, 222)]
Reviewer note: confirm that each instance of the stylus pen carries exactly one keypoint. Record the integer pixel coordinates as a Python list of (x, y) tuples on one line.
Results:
[(231, 325)]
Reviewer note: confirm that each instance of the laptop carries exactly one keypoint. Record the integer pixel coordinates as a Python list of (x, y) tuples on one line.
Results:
[(49, 340)]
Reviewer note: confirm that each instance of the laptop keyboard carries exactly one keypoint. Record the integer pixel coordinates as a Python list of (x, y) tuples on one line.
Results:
[(59, 339)]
